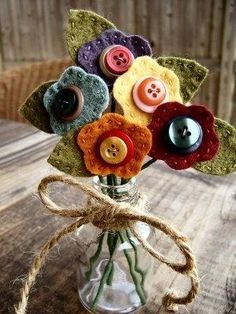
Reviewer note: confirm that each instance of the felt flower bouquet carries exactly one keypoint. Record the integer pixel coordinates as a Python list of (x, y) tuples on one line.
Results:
[(116, 106)]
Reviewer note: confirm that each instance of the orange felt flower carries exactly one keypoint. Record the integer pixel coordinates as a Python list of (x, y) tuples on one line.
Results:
[(112, 145)]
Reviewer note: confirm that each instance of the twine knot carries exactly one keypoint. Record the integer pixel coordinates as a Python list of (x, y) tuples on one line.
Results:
[(105, 216), (105, 213)]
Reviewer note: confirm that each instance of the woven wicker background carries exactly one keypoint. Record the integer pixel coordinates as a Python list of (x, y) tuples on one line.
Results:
[(32, 30)]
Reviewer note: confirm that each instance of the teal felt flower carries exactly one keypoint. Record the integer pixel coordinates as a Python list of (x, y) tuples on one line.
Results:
[(76, 99)]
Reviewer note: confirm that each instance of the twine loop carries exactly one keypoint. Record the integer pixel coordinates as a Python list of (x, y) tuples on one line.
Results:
[(105, 213)]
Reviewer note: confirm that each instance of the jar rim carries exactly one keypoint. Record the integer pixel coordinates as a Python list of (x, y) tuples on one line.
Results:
[(131, 181), (129, 186)]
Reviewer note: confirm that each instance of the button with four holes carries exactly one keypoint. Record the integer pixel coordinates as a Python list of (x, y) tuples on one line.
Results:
[(115, 60), (115, 147), (149, 93), (68, 103), (184, 134)]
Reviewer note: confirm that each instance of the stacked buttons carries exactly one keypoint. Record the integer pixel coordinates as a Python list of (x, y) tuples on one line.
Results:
[(184, 134), (149, 93), (115, 60), (68, 103), (115, 147)]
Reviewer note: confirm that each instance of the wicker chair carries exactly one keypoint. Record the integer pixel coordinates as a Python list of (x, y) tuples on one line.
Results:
[(17, 84)]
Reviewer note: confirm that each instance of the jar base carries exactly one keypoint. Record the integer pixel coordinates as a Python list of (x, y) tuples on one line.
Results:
[(122, 299), (109, 311)]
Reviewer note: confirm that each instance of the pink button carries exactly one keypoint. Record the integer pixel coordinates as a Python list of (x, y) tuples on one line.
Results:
[(118, 59), (149, 93)]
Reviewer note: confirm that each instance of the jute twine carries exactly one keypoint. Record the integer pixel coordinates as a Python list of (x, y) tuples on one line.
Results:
[(107, 214)]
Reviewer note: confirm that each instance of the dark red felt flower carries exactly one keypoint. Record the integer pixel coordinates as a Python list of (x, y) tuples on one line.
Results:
[(183, 135)]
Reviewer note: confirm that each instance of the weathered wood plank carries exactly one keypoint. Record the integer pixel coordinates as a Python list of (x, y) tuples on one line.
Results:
[(173, 19), (217, 25), (1, 51), (141, 18), (195, 29), (227, 82)]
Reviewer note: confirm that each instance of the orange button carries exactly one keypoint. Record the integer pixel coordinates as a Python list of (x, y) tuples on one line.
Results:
[(148, 93), (151, 91)]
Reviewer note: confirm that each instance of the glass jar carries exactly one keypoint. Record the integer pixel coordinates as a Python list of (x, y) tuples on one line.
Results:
[(114, 271)]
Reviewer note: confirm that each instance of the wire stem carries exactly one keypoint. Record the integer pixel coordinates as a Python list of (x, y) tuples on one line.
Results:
[(136, 267), (112, 240), (94, 257), (148, 163), (133, 274)]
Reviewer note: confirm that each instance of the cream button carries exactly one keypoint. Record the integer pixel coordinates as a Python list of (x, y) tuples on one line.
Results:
[(113, 150)]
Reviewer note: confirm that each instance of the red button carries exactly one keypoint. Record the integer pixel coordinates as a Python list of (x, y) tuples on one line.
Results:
[(115, 60), (148, 93), (115, 147)]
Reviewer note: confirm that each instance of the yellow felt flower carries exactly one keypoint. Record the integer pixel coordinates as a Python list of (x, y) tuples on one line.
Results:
[(143, 87)]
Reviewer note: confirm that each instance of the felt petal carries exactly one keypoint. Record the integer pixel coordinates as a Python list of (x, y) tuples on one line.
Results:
[(88, 55), (190, 73), (143, 67), (90, 133), (67, 157), (224, 161), (160, 148), (82, 27), (34, 111), (96, 98)]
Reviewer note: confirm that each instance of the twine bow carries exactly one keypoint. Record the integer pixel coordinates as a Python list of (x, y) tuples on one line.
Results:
[(107, 214)]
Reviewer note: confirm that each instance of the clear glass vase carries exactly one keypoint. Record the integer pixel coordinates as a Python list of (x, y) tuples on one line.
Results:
[(114, 272)]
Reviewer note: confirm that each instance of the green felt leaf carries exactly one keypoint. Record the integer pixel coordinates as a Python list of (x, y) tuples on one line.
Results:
[(68, 157), (34, 111), (225, 160), (190, 73), (84, 26)]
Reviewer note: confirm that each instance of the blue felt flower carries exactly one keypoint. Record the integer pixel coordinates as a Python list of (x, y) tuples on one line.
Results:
[(75, 100)]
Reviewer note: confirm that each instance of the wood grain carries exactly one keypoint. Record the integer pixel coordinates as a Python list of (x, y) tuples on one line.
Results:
[(201, 206), (227, 85), (33, 30), (16, 85)]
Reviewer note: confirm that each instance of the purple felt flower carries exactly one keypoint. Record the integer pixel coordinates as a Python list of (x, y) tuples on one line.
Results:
[(89, 54)]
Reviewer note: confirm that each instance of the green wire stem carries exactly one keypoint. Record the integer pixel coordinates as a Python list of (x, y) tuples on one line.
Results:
[(124, 181), (112, 240), (136, 267), (102, 179), (136, 281), (148, 163), (104, 279), (94, 258), (110, 276)]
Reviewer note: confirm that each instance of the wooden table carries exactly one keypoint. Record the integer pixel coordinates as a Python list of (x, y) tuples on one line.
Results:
[(200, 206)]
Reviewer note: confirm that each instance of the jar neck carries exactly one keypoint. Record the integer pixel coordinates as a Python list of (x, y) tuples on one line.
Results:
[(127, 192)]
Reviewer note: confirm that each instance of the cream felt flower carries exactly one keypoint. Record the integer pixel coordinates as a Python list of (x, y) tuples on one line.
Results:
[(143, 87)]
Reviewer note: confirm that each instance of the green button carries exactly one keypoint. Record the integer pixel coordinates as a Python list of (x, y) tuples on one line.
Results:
[(184, 134)]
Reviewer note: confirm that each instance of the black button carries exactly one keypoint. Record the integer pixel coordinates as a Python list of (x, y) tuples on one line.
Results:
[(184, 134), (65, 103), (68, 103)]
